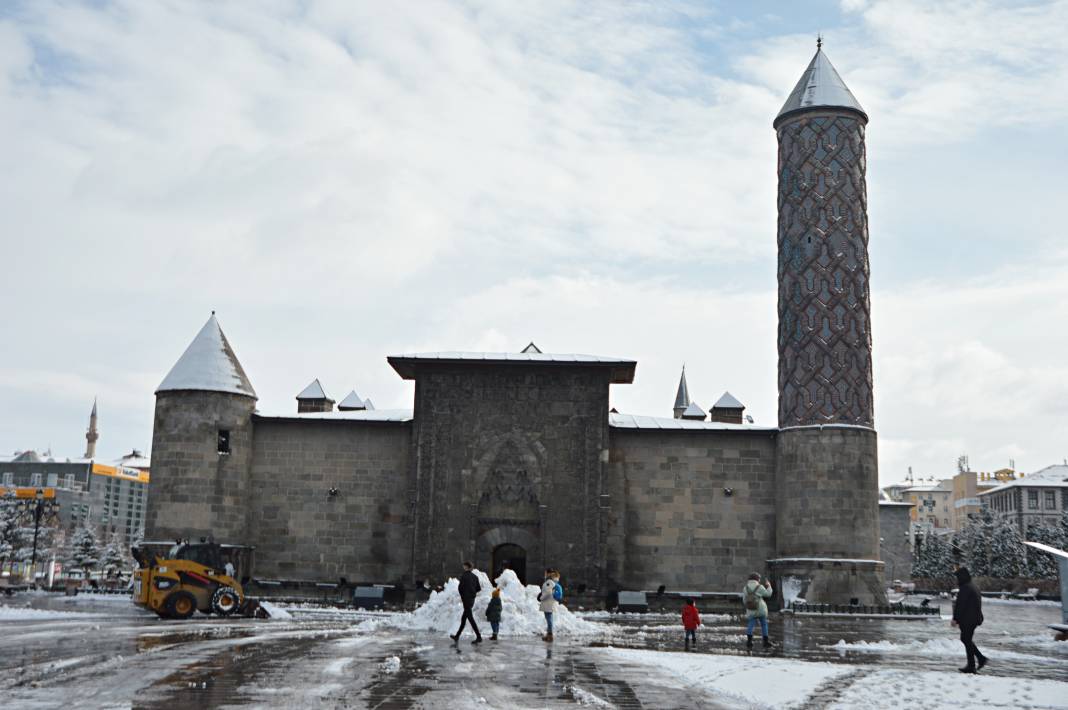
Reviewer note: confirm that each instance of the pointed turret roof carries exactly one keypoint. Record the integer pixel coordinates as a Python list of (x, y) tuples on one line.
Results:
[(352, 401), (93, 413), (820, 86), (369, 405), (728, 401), (313, 391), (693, 412), (208, 364), (531, 348), (682, 397)]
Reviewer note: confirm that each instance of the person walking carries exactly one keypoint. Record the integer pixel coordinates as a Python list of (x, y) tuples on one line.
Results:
[(547, 599), (493, 612), (967, 615), (691, 619), (468, 589), (756, 610)]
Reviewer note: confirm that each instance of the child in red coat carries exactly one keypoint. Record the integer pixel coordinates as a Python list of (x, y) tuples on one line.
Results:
[(690, 621)]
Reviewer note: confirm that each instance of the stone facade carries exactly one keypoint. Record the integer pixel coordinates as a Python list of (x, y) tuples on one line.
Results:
[(201, 491), (690, 509), (329, 499)]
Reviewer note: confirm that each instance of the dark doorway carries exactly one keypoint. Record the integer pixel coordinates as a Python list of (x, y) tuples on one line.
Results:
[(509, 556)]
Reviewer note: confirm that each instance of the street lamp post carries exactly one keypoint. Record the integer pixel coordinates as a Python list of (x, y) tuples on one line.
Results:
[(38, 508)]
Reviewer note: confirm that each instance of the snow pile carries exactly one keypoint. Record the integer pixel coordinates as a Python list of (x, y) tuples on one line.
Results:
[(390, 665), (275, 612), (791, 590), (585, 697), (521, 615)]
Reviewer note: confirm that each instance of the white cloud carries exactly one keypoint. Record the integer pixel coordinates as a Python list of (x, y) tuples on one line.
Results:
[(346, 180)]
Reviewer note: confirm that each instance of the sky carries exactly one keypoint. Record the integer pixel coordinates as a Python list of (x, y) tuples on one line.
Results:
[(341, 181)]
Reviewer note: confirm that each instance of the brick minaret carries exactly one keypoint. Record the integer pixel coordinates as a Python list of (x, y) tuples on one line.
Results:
[(827, 471)]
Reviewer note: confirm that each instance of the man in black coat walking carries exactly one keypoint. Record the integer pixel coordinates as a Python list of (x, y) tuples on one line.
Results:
[(968, 614), (469, 588)]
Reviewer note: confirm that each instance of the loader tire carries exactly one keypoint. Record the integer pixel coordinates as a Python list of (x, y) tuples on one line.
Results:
[(225, 601), (180, 605)]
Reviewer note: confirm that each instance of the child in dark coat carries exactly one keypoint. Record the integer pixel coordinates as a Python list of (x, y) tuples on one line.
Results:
[(493, 612), (691, 619)]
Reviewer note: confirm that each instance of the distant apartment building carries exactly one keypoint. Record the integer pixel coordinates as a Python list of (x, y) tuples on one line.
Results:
[(111, 497), (1039, 498), (932, 505)]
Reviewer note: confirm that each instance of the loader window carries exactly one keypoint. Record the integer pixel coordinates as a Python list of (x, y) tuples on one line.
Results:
[(224, 441)]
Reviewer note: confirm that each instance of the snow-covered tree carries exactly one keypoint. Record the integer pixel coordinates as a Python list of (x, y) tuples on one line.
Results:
[(85, 550), (1008, 556), (934, 556), (115, 560), (1042, 565), (9, 537), (975, 543)]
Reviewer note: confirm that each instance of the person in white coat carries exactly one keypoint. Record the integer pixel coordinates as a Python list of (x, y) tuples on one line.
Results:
[(548, 603)]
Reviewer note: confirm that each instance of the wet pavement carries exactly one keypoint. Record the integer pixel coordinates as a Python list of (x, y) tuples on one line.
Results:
[(108, 653)]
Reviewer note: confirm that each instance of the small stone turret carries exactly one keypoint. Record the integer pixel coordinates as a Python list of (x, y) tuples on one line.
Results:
[(727, 410), (313, 399), (202, 444)]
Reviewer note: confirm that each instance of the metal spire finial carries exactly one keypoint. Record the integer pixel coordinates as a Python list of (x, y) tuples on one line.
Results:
[(819, 42)]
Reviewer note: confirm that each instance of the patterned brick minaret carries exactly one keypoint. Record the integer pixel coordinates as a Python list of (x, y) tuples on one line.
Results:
[(827, 470)]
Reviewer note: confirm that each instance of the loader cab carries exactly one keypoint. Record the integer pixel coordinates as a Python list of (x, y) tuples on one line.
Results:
[(203, 553)]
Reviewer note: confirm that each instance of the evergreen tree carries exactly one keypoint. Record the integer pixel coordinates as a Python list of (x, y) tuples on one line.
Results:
[(1008, 556), (9, 526), (934, 556), (1042, 565), (975, 543), (85, 550), (113, 560)]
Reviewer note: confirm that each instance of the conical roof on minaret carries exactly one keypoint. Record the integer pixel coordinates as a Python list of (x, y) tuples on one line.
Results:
[(682, 397), (820, 87), (209, 365)]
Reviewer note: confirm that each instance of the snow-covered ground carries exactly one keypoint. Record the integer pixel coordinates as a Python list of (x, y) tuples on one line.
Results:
[(60, 651)]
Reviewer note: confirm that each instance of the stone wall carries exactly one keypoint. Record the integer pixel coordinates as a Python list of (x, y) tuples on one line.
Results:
[(510, 454), (894, 547), (300, 530), (195, 490), (828, 485), (672, 522)]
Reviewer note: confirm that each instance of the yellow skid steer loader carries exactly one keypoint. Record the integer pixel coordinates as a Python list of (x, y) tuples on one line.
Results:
[(191, 577)]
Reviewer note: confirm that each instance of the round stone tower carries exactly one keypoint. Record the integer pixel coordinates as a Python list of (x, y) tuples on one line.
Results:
[(827, 524), (202, 444)]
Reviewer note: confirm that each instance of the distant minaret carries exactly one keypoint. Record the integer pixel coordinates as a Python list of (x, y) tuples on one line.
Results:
[(682, 397), (91, 435)]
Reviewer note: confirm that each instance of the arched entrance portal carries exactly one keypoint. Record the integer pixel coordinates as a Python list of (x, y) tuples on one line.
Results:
[(510, 556)]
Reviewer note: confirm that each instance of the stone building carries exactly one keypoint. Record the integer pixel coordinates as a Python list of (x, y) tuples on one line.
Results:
[(1036, 499), (518, 457)]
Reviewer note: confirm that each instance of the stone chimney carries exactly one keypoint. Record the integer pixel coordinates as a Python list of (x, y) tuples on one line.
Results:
[(314, 399), (727, 410)]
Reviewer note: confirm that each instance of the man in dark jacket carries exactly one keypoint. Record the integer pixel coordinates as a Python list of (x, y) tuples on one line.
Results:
[(968, 614), (469, 588)]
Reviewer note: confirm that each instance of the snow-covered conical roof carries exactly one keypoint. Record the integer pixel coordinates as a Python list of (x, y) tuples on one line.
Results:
[(693, 411), (208, 364), (352, 401), (820, 86), (314, 390), (728, 401)]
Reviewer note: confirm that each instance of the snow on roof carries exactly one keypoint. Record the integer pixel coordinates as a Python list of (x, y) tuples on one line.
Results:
[(728, 401), (1055, 476), (314, 390), (634, 421), (693, 410), (531, 348), (352, 401), (355, 415), (820, 86), (404, 364), (368, 404), (208, 364)]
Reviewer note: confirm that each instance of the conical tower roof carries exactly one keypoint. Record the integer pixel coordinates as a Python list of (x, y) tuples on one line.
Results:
[(682, 397), (728, 401), (352, 401), (208, 364), (820, 86), (314, 390)]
